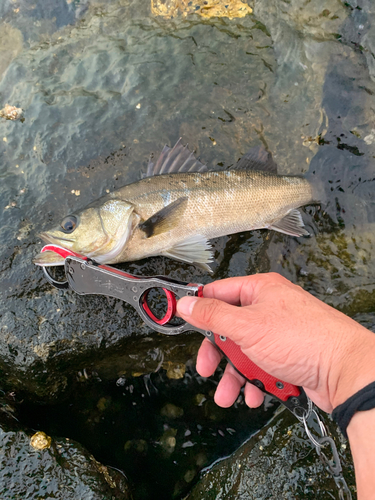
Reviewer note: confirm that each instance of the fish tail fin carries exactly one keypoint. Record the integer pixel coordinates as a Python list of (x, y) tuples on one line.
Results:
[(318, 191)]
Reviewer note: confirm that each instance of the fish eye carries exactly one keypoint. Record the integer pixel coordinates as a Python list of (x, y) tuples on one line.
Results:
[(69, 224)]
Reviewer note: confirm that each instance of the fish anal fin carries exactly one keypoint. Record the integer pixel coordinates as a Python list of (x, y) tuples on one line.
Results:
[(165, 219), (257, 159), (194, 250), (291, 224)]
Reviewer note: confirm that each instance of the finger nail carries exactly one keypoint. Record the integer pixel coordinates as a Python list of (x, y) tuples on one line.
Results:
[(185, 305)]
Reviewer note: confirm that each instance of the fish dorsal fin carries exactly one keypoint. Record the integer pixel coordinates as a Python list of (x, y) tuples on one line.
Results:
[(175, 160), (257, 159), (194, 250), (165, 219), (291, 224)]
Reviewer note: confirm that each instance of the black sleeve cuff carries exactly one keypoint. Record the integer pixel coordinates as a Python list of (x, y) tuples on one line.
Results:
[(360, 401)]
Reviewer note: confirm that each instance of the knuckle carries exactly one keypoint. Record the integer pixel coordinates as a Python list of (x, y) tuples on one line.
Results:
[(271, 279), (276, 277)]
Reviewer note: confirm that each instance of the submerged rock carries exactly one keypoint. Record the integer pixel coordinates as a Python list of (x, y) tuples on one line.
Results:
[(63, 470), (277, 463), (10, 45)]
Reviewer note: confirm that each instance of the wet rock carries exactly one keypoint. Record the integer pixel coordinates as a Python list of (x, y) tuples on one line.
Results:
[(304, 45), (320, 20), (143, 356), (369, 43), (278, 462), (171, 411), (358, 31), (140, 446), (168, 441), (11, 43), (70, 102), (175, 370), (38, 20), (63, 469), (200, 399)]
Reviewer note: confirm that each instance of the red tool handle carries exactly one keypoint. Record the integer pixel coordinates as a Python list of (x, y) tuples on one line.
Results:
[(250, 370)]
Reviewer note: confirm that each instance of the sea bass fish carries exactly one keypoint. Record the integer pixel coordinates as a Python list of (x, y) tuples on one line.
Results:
[(179, 206)]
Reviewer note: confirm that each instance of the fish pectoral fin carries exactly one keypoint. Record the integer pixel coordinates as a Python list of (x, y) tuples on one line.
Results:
[(195, 250), (291, 224), (257, 159), (166, 219)]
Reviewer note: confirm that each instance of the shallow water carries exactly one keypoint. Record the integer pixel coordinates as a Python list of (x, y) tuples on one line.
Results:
[(160, 432), (104, 84)]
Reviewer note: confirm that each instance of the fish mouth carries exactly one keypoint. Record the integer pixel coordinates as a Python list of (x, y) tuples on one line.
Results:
[(48, 258), (48, 238)]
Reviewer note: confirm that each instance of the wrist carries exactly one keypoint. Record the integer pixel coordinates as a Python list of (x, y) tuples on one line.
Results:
[(357, 368), (361, 432), (362, 424)]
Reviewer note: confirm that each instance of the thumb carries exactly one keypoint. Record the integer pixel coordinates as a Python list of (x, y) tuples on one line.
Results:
[(216, 316)]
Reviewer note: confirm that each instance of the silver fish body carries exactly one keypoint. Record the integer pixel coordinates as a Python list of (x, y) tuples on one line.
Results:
[(218, 204), (176, 213)]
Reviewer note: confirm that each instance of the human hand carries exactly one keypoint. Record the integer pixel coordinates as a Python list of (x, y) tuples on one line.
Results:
[(285, 331)]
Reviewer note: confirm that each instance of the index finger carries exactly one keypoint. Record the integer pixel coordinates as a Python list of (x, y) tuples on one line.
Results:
[(234, 291), (241, 289), (228, 290)]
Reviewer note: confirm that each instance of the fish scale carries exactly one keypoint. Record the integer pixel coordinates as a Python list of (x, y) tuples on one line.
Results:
[(219, 203)]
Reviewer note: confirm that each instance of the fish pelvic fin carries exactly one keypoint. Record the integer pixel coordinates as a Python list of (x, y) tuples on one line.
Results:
[(291, 224), (175, 160), (165, 219), (194, 250)]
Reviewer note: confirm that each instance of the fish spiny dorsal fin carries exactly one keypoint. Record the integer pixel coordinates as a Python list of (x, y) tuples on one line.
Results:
[(165, 219), (176, 160), (257, 159)]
